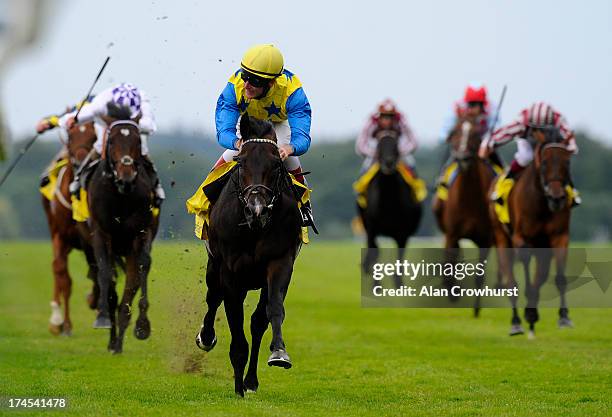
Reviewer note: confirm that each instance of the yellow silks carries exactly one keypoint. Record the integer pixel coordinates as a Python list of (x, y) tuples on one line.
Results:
[(361, 185), (49, 189), (199, 204)]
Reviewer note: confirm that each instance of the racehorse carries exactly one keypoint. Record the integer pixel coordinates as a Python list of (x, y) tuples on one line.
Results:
[(465, 212), (122, 225), (540, 221), (65, 234), (254, 239), (392, 207)]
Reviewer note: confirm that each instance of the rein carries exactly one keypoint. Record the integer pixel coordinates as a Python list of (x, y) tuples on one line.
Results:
[(245, 193), (125, 160), (540, 167)]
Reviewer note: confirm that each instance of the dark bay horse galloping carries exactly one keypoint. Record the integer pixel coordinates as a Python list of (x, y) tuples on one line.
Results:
[(465, 212), (123, 225), (65, 235), (254, 239), (392, 207), (539, 209)]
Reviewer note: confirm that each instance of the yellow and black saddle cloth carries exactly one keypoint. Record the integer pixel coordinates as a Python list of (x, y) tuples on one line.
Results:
[(80, 211), (361, 185), (209, 191), (501, 193), (79, 206), (450, 175)]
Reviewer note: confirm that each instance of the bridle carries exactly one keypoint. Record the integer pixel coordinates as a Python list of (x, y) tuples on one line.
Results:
[(542, 165), (244, 193), (125, 160)]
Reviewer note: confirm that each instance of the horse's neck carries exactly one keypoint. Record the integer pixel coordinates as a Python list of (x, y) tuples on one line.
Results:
[(528, 184), (478, 173)]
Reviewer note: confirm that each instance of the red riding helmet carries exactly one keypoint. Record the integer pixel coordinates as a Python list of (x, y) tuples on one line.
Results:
[(475, 93)]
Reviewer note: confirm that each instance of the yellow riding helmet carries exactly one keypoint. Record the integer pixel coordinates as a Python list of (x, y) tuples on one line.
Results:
[(265, 61)]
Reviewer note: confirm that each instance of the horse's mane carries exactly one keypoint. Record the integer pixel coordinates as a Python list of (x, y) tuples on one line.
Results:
[(258, 129)]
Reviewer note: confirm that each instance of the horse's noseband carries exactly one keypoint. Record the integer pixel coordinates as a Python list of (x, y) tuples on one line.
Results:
[(246, 193)]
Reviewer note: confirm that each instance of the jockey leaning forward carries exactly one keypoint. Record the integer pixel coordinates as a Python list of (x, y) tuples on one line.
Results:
[(529, 128), (51, 122), (101, 109), (264, 89)]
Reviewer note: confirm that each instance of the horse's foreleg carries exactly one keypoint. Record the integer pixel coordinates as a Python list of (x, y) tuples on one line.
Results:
[(532, 291), (505, 263), (112, 308), (560, 245), (206, 338), (233, 300), (62, 287), (142, 251), (401, 249), (125, 307), (483, 253), (371, 255), (451, 252), (259, 324), (102, 252), (279, 276)]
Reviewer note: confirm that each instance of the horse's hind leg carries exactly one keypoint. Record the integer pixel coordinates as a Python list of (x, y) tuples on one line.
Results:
[(560, 253), (62, 287), (279, 276), (102, 252), (259, 324), (92, 274), (206, 338), (125, 307), (239, 347)]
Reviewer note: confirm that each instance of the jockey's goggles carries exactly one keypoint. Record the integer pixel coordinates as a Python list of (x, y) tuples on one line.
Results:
[(254, 80)]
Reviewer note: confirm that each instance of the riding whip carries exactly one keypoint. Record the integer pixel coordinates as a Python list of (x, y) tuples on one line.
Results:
[(31, 141)]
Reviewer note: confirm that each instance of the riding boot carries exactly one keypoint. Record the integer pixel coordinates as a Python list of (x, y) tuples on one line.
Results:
[(509, 176), (496, 159), (158, 191), (81, 175), (306, 208), (576, 199)]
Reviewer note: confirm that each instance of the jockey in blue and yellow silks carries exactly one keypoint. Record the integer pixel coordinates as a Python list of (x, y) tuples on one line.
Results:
[(263, 89)]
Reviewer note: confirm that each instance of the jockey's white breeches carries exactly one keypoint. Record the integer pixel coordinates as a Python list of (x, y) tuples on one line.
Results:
[(283, 137)]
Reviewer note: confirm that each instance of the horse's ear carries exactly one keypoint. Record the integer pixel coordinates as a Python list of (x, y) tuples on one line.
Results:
[(245, 126)]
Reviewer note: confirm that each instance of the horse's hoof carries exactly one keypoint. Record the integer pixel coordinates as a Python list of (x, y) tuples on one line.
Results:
[(202, 345), (66, 330), (251, 384), (55, 329), (280, 358), (516, 329), (102, 322), (565, 323), (142, 330), (531, 335)]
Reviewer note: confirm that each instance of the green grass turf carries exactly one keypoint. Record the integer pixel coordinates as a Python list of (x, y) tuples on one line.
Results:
[(347, 360)]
